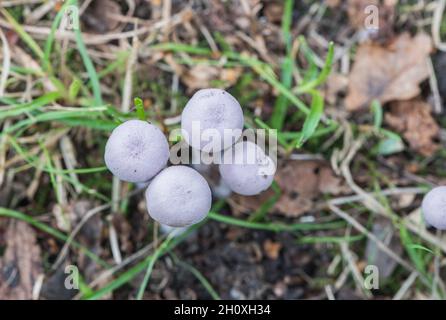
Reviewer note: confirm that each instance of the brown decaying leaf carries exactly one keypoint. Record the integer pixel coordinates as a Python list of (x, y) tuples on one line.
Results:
[(360, 13), (356, 11), (99, 15), (383, 230), (203, 76), (274, 12), (387, 73), (21, 263), (414, 120), (333, 3), (336, 83), (272, 249), (301, 183)]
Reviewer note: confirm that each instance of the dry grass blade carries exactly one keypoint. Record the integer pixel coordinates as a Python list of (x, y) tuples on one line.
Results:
[(6, 65)]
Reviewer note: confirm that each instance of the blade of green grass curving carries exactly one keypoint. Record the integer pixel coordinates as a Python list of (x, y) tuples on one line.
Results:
[(281, 104)]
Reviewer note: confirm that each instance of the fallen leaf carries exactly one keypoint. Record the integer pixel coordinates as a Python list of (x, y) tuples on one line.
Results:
[(336, 84), (333, 3), (414, 121), (383, 230), (272, 249), (99, 15), (301, 182), (21, 263), (375, 17), (356, 11), (204, 76), (274, 12), (388, 73)]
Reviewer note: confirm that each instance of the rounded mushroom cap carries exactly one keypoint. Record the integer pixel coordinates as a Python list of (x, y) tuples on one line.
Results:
[(178, 197), (136, 151), (247, 170), (211, 111), (434, 207)]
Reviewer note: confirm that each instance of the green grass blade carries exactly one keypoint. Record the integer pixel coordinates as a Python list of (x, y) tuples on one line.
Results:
[(50, 40), (56, 115), (313, 118), (140, 113), (131, 273), (281, 104), (74, 88), (276, 227), (150, 266), (92, 74), (16, 110), (327, 239), (377, 114), (23, 34), (325, 72), (199, 277)]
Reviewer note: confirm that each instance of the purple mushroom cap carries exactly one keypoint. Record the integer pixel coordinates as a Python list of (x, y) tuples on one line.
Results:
[(247, 170), (178, 197), (434, 207), (136, 151), (212, 111)]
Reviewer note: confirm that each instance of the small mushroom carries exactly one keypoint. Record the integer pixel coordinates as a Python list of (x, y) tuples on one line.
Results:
[(136, 151), (434, 207), (210, 115), (247, 170), (178, 197)]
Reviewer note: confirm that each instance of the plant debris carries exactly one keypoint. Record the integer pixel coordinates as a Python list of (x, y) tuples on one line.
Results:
[(302, 183), (21, 264), (391, 72), (414, 120)]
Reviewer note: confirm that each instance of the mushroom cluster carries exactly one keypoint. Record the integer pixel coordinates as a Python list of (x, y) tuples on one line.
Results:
[(179, 196)]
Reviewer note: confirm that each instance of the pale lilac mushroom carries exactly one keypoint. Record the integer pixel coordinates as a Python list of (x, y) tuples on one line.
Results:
[(178, 197), (212, 111), (136, 151), (246, 169), (434, 207)]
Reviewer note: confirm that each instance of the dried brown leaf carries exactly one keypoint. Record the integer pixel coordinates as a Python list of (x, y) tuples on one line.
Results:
[(333, 3), (274, 12), (204, 76), (336, 83), (387, 73), (272, 249), (99, 15), (376, 18), (356, 11), (21, 263), (414, 120), (301, 183)]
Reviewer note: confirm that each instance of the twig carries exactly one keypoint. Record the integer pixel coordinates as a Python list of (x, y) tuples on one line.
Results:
[(92, 39), (434, 87), (6, 66), (114, 243), (406, 286), (436, 25), (357, 277), (355, 224)]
